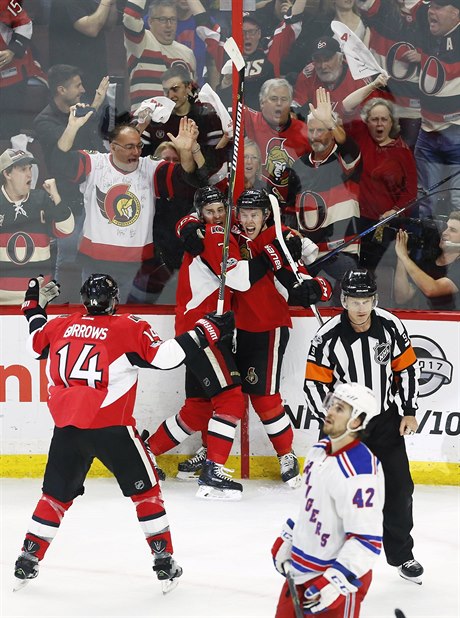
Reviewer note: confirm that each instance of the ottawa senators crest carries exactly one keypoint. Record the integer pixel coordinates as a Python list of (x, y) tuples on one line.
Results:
[(119, 206), (252, 376), (277, 161)]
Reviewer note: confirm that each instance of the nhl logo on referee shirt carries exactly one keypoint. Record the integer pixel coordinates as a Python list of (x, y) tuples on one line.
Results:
[(382, 353)]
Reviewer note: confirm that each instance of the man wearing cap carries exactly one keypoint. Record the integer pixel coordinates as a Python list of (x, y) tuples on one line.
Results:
[(329, 71), (29, 218)]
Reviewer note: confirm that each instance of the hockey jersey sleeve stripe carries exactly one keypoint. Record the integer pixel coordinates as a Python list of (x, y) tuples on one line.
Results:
[(405, 360), (372, 543), (318, 374), (306, 563)]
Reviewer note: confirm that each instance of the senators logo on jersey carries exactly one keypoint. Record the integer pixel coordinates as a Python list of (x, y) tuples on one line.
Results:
[(119, 206)]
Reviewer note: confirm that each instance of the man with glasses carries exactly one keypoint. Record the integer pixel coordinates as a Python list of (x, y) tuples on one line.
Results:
[(119, 190), (151, 52), (258, 67)]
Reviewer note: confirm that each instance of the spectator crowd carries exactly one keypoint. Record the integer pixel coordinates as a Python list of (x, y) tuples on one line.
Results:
[(110, 121)]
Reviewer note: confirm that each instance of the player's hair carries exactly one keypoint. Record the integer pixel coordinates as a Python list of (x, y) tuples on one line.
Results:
[(369, 106), (60, 75), (276, 82)]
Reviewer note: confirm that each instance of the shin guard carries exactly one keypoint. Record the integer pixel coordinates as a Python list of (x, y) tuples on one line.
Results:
[(276, 422)]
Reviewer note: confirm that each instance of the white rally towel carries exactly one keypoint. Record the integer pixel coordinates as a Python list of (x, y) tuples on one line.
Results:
[(207, 95), (158, 108), (359, 58)]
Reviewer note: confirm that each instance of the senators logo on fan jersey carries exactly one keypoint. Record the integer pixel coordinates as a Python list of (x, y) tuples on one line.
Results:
[(119, 205)]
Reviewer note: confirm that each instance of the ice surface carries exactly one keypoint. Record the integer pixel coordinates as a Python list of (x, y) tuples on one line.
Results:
[(99, 563)]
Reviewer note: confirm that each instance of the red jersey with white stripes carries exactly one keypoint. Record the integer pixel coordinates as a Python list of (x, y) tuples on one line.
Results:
[(119, 205), (92, 378), (264, 305)]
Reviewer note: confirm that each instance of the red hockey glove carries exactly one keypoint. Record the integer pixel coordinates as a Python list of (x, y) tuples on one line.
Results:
[(191, 231), (38, 294), (213, 328)]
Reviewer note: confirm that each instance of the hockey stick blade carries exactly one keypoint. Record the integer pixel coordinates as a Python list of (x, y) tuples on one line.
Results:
[(293, 590), (399, 614), (233, 51), (279, 235)]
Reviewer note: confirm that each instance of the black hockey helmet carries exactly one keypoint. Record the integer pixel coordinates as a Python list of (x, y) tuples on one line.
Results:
[(207, 195), (100, 295), (358, 283), (254, 198)]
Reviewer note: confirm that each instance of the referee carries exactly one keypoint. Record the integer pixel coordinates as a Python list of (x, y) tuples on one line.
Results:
[(369, 345)]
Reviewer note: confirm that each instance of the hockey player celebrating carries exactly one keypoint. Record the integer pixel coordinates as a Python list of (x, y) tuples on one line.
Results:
[(197, 292), (262, 336), (93, 360), (330, 549)]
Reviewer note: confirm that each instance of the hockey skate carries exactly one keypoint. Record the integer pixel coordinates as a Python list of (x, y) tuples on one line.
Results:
[(190, 469), (412, 571), (289, 467), (167, 570), (215, 483), (25, 569)]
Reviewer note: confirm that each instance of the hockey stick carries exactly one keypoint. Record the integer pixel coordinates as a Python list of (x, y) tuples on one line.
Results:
[(279, 235), (399, 614), (292, 589), (428, 193), (236, 57)]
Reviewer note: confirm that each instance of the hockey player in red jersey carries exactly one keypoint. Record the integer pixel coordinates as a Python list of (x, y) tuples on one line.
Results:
[(263, 321), (93, 360), (197, 294), (262, 335)]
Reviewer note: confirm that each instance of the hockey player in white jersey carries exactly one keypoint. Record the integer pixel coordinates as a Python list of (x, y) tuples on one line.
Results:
[(329, 551)]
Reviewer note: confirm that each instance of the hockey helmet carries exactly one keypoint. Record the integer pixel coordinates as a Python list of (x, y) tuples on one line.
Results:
[(254, 198), (207, 195), (99, 294), (358, 283), (361, 399)]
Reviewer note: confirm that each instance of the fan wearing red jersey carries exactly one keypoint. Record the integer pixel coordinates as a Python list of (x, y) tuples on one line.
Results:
[(93, 361)]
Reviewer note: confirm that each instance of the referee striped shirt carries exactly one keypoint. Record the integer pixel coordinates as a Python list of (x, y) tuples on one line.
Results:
[(381, 358)]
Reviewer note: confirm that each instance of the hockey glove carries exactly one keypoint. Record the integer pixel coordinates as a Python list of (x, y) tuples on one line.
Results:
[(282, 547), (294, 244), (274, 252), (191, 231), (309, 251), (213, 328), (328, 590), (38, 294)]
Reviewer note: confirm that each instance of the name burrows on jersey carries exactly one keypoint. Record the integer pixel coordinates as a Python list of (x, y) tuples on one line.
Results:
[(382, 359), (89, 356), (340, 524)]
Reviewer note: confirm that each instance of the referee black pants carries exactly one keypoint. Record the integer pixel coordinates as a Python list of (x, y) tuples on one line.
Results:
[(386, 443)]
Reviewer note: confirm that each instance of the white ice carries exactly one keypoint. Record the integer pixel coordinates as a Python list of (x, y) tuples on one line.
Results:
[(99, 563)]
